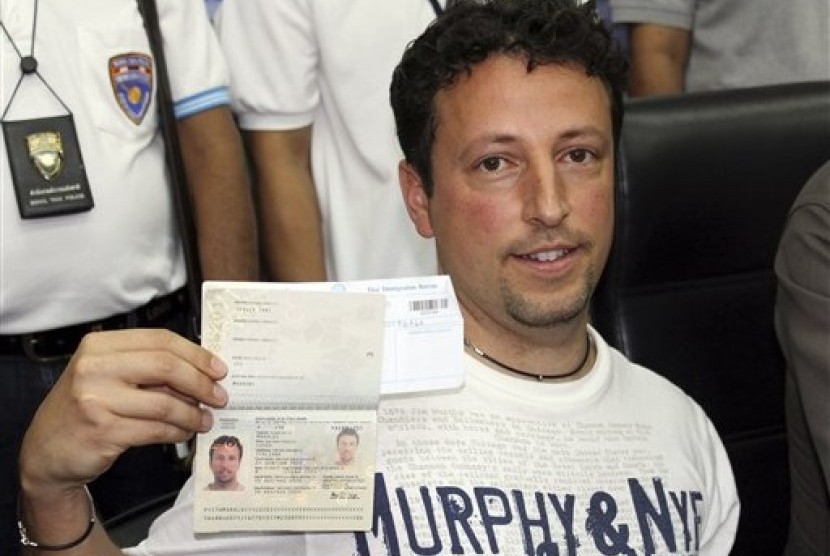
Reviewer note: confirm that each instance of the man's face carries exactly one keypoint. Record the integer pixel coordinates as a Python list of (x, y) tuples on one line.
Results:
[(346, 447), (225, 463), (522, 209)]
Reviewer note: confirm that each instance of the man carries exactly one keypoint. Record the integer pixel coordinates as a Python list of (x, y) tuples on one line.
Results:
[(321, 135), (115, 261), (508, 113), (347, 442), (802, 318), (688, 45), (225, 455)]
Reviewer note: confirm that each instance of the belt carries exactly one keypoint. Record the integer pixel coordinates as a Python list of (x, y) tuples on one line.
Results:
[(59, 344)]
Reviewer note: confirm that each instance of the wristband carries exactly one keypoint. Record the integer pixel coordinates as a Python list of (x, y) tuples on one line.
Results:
[(26, 541)]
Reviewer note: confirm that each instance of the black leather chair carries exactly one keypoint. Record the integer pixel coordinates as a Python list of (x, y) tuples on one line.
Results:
[(130, 527), (706, 180)]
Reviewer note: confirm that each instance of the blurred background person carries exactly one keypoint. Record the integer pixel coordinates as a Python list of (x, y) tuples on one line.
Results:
[(310, 85), (693, 45), (802, 314)]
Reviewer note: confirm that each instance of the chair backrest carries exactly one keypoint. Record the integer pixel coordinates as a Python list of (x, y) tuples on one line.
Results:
[(131, 527), (706, 180)]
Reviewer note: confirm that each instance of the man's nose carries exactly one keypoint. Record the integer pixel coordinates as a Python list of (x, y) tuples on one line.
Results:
[(545, 195)]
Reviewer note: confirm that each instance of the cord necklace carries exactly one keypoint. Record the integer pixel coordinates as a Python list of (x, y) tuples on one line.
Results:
[(540, 377)]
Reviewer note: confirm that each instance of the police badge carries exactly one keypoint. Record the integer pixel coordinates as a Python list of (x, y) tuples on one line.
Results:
[(46, 166), (46, 153)]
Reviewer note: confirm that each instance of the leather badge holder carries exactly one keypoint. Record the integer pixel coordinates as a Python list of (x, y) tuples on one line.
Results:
[(46, 165)]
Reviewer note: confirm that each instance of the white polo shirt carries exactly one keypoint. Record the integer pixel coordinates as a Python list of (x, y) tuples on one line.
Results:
[(296, 63)]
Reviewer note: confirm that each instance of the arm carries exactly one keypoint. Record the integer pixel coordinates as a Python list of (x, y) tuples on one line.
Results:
[(802, 310), (292, 233), (121, 389), (218, 183), (659, 55)]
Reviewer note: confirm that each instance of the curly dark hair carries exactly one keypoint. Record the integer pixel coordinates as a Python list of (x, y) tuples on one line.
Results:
[(225, 440), (469, 31)]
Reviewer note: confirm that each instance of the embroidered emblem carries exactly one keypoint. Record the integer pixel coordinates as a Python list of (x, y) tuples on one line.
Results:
[(46, 153), (131, 76)]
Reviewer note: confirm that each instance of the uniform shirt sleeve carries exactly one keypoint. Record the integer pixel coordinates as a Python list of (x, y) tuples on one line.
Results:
[(672, 13), (195, 63), (274, 60)]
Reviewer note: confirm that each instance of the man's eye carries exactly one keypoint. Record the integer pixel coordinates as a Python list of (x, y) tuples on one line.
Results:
[(579, 155), (492, 164)]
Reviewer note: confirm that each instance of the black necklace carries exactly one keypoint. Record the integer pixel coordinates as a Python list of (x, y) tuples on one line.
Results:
[(28, 65), (540, 377)]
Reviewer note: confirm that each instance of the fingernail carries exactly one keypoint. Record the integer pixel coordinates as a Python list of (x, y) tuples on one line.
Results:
[(207, 420), (219, 366), (220, 393)]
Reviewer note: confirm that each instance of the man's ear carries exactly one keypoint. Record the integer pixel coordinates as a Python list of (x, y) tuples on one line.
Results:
[(415, 197)]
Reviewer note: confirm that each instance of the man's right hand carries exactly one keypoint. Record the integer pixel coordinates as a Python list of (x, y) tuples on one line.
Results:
[(120, 389)]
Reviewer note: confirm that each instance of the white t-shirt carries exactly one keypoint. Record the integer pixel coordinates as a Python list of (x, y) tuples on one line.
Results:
[(618, 462), (63, 270), (329, 64)]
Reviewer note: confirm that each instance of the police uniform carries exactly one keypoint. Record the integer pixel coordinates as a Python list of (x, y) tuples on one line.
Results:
[(117, 263)]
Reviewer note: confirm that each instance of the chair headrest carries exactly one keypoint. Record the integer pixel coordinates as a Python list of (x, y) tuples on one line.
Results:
[(714, 172)]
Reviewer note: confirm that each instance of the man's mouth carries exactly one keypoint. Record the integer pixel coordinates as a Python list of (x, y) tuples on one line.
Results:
[(547, 256)]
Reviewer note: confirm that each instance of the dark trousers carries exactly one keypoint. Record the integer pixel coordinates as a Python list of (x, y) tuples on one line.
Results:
[(139, 475)]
